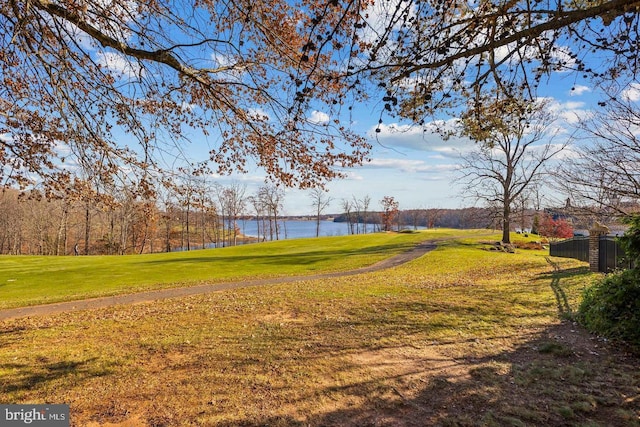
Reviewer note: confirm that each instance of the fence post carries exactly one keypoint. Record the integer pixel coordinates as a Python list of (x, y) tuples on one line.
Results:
[(594, 245)]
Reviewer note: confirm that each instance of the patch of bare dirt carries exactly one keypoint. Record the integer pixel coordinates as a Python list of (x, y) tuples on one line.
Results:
[(561, 376)]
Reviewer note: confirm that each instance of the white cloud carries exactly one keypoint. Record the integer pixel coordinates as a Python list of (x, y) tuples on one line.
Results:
[(353, 176), (448, 152), (120, 16), (410, 166), (397, 132), (379, 15), (562, 55), (515, 53), (426, 138), (578, 90), (567, 153), (401, 164), (571, 117), (632, 93), (63, 149), (318, 117), (572, 105), (188, 107), (523, 53), (76, 34), (250, 178), (227, 65), (221, 60), (569, 112)]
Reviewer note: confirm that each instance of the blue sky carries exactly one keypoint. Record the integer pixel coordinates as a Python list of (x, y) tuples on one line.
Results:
[(420, 169)]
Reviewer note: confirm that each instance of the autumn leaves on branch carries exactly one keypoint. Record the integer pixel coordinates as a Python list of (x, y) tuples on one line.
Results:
[(108, 93)]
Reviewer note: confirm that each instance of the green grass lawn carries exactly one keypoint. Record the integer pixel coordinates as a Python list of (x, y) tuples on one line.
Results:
[(462, 336), (29, 280)]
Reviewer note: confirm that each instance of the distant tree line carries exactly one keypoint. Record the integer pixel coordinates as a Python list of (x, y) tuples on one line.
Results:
[(193, 214), (429, 218), (190, 214)]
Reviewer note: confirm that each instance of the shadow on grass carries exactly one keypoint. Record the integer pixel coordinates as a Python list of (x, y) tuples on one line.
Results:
[(22, 376), (559, 377), (558, 274), (298, 258)]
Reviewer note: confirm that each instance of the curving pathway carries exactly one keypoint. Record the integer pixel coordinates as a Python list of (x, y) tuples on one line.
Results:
[(149, 296)]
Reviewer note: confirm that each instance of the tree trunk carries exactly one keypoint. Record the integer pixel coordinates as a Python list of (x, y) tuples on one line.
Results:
[(145, 231), (204, 228), (61, 238), (364, 219), (87, 228), (168, 232), (188, 231), (506, 225)]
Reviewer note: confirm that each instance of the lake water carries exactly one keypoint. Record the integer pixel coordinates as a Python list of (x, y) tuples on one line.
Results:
[(296, 229), (293, 229)]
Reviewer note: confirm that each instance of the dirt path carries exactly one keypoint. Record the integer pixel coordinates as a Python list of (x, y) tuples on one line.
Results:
[(148, 296)]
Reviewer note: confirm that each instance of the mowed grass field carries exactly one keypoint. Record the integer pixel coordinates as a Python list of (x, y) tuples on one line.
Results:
[(462, 336), (29, 280)]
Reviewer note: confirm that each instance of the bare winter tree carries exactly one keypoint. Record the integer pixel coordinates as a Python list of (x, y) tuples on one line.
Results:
[(232, 202), (12, 216), (260, 210), (169, 209), (605, 175), (235, 203), (320, 200), (433, 216), (202, 201), (187, 191), (347, 205), (356, 205), (366, 201), (510, 155), (272, 199)]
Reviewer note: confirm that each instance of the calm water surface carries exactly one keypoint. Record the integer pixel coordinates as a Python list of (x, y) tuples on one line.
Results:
[(293, 229)]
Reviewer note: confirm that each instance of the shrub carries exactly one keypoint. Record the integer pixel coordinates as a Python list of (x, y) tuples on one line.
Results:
[(554, 228), (611, 307), (630, 241)]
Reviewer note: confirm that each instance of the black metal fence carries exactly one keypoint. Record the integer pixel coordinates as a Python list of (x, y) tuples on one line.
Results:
[(577, 248), (611, 254)]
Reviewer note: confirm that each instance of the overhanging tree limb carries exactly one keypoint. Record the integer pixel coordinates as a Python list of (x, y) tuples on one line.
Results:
[(560, 19)]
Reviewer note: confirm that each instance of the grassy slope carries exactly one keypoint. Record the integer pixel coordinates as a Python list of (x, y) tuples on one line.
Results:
[(28, 280), (461, 336)]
